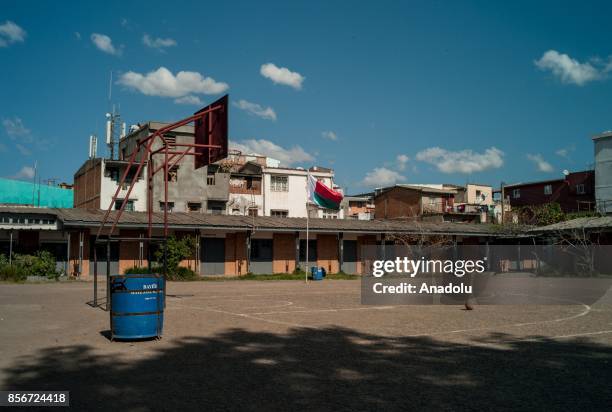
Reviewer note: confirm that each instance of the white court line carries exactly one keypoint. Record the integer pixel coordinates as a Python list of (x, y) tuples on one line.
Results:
[(244, 315)]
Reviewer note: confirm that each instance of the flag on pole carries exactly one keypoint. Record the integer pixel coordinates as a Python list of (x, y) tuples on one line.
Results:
[(322, 195)]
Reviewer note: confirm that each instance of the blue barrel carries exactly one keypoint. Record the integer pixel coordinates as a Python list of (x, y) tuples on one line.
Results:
[(137, 306), (317, 273)]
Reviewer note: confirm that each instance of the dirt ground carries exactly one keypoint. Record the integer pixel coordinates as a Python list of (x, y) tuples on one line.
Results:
[(286, 345)]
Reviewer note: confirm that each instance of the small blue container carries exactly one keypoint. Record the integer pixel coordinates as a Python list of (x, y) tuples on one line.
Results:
[(137, 306), (317, 273)]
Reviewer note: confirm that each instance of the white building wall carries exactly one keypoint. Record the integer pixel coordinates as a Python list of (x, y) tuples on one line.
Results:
[(295, 198), (138, 194), (239, 204)]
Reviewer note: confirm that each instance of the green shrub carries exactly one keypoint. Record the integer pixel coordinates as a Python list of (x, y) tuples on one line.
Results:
[(12, 273), (182, 273), (137, 270), (41, 264), (177, 251)]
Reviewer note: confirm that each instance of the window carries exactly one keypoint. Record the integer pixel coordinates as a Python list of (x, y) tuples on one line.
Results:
[(580, 189), (170, 206), (279, 183), (516, 193), (194, 206), (279, 213), (312, 250), (216, 207), (330, 215), (129, 206), (210, 179), (113, 173), (478, 194), (173, 174), (261, 250), (253, 211), (548, 189)]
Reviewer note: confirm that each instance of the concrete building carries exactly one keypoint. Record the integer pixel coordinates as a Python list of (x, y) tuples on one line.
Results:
[(603, 171), (408, 201), (204, 190), (97, 180), (359, 207), (285, 192)]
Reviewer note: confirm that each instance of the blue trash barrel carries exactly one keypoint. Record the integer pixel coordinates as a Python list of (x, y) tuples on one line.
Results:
[(137, 306), (317, 273)]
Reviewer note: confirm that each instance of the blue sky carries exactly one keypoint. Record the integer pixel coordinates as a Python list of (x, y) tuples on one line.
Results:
[(413, 92)]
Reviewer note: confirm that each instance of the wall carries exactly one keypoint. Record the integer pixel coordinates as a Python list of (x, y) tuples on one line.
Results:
[(603, 173), (191, 184), (108, 187), (327, 253), (397, 202), (283, 253), (87, 181), (17, 192), (563, 192), (294, 200), (473, 199)]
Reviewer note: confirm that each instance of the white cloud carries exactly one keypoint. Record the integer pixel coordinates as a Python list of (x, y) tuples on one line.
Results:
[(105, 43), (542, 165), (462, 161), (567, 69), (162, 82), (282, 75), (124, 22), (26, 172), (402, 160), (11, 33), (328, 134), (566, 152), (189, 99), (256, 109), (158, 43), (77, 35), (23, 150), (381, 176), (15, 128), (287, 157)]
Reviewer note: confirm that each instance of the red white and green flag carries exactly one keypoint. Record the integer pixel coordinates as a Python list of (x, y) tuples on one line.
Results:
[(322, 195)]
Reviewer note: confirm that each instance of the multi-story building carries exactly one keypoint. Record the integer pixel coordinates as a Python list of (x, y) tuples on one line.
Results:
[(403, 201), (203, 190), (359, 207), (575, 192), (259, 186), (603, 171), (97, 180)]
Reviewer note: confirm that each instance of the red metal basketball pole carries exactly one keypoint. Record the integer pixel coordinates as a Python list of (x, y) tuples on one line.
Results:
[(148, 141)]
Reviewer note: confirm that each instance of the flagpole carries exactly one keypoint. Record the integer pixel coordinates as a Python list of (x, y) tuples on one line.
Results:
[(307, 227)]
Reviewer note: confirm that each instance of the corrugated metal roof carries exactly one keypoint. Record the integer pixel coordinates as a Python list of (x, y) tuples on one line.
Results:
[(589, 223), (87, 217)]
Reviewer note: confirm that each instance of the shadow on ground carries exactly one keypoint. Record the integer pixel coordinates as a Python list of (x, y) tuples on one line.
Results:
[(330, 369)]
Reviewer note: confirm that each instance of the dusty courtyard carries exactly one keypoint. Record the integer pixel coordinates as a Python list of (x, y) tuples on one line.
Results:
[(289, 345)]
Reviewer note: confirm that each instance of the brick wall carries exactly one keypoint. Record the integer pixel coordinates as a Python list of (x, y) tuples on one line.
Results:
[(397, 202), (235, 254), (327, 253), (283, 253)]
